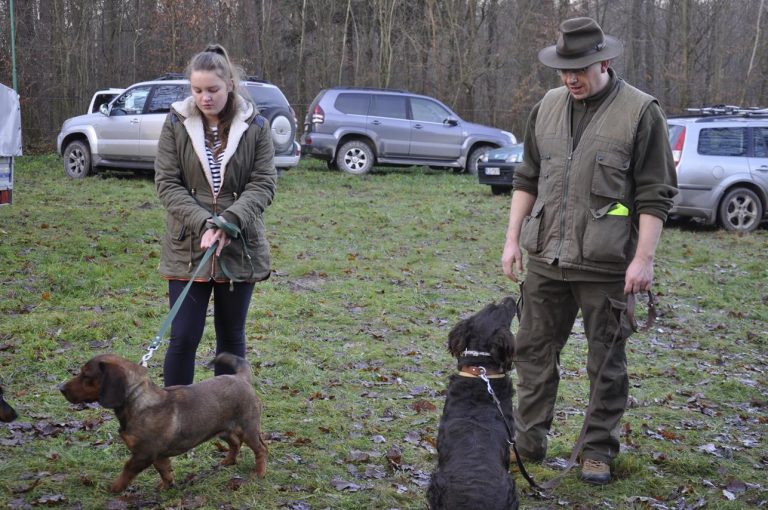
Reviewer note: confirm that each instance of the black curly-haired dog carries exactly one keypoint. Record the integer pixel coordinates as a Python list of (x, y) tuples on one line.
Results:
[(7, 413), (473, 453)]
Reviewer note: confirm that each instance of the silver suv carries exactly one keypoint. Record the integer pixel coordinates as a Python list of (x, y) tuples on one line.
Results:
[(354, 129), (124, 133), (721, 155)]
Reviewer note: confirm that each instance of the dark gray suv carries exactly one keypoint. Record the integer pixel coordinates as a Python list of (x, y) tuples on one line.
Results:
[(354, 129), (721, 155)]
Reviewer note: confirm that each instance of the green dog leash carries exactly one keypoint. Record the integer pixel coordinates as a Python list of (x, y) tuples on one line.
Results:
[(232, 231)]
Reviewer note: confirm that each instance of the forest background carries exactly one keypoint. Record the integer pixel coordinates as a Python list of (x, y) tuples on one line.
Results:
[(478, 56)]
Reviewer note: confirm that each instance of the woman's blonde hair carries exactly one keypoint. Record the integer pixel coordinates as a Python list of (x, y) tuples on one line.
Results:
[(215, 58)]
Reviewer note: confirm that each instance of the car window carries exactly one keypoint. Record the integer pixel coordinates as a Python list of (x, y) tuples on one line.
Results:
[(131, 102), (165, 95), (428, 111), (266, 96), (723, 142), (674, 133), (355, 104), (388, 106), (100, 99), (760, 139)]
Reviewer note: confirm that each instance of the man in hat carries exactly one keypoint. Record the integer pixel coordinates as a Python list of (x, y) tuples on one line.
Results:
[(588, 207)]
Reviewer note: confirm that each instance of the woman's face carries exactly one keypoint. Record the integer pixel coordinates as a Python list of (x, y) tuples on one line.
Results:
[(210, 93)]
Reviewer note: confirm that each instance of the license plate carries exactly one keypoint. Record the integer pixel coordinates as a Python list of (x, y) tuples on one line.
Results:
[(492, 170)]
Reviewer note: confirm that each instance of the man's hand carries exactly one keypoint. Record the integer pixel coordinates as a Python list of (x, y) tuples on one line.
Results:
[(512, 257), (512, 261), (639, 275)]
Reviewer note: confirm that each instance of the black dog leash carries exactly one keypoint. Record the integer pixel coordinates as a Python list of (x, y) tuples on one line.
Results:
[(510, 434), (629, 313)]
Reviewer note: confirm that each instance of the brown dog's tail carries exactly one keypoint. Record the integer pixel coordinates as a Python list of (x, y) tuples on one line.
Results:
[(228, 363)]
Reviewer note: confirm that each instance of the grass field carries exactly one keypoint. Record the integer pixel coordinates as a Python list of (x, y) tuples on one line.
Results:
[(347, 340)]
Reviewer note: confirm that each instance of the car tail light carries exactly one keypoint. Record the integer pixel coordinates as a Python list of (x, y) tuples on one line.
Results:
[(318, 115), (677, 150)]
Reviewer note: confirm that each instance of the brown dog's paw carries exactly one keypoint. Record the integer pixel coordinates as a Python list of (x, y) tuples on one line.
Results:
[(261, 468), (117, 486)]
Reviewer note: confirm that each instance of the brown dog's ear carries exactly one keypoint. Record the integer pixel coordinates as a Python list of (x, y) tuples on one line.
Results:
[(458, 338), (113, 385)]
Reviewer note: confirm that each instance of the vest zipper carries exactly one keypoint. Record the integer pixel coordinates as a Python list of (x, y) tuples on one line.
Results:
[(567, 175)]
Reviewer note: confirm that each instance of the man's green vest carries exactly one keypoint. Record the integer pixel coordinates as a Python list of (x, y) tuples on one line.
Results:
[(584, 215)]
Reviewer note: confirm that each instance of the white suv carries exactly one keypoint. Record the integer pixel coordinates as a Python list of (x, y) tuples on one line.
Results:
[(124, 133), (721, 154)]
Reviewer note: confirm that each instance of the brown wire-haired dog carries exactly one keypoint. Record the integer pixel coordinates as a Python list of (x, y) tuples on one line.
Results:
[(7, 413), (472, 449), (159, 423)]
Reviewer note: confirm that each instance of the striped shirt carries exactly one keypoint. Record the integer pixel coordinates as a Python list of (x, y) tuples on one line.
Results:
[(214, 155)]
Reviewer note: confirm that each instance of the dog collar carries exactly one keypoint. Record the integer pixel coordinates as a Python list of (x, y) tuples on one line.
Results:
[(474, 371), (475, 354)]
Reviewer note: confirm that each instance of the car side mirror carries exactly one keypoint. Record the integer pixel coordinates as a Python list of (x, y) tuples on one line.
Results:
[(104, 109), (451, 121)]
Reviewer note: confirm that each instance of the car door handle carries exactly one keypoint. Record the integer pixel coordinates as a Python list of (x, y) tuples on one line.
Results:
[(763, 168), (376, 122), (418, 126)]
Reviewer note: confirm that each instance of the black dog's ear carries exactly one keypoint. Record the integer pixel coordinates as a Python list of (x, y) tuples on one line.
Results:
[(113, 386), (458, 338), (503, 348)]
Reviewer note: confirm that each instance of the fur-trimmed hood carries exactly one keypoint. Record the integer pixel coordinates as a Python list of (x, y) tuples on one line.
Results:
[(193, 122)]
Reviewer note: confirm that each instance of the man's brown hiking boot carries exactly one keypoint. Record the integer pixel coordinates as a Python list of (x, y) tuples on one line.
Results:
[(595, 472)]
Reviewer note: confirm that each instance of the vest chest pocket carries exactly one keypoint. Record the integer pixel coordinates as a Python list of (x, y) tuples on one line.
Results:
[(609, 178)]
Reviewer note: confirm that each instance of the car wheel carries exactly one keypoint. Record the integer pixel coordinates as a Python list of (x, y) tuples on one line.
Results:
[(282, 126), (740, 210), (500, 190), (474, 158), (355, 157), (77, 160)]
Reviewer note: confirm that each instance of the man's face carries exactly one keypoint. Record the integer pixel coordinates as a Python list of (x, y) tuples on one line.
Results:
[(585, 82)]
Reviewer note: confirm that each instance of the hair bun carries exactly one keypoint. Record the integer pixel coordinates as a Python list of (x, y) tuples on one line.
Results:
[(216, 48)]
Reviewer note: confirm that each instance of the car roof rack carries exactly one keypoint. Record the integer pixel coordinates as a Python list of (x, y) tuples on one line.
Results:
[(374, 89), (724, 109)]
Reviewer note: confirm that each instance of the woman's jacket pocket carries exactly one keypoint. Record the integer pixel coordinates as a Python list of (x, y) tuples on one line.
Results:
[(530, 234)]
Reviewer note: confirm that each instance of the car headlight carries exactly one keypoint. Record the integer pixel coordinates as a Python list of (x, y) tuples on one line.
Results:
[(511, 137), (515, 157), (484, 158)]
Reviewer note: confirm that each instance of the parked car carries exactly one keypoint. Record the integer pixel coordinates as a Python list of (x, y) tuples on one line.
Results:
[(124, 134), (101, 97), (497, 168), (354, 129), (721, 154)]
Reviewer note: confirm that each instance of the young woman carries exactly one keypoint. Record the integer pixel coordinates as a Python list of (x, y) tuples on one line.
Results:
[(214, 167)]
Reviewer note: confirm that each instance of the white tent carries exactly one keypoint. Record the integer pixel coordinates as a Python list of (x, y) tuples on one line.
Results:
[(10, 140)]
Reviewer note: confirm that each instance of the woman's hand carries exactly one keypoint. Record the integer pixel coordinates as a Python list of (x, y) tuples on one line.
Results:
[(213, 235)]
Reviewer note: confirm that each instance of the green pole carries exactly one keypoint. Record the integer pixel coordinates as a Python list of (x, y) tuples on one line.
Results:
[(13, 48)]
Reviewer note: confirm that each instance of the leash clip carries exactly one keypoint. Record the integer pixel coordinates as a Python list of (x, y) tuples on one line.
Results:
[(150, 351), (483, 375)]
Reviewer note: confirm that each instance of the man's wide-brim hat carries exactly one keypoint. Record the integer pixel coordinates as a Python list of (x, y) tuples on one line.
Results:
[(581, 43)]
